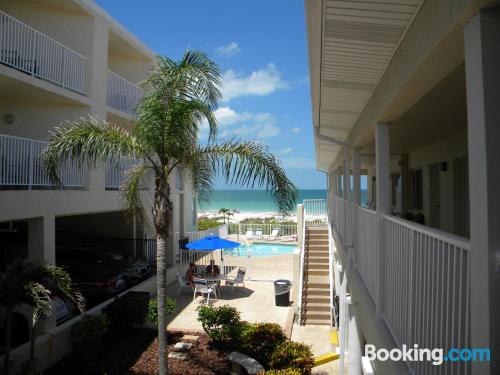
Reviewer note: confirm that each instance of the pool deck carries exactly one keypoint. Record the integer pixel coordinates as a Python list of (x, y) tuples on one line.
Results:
[(255, 301)]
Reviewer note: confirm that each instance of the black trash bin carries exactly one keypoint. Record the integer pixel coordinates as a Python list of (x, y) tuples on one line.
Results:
[(282, 292)]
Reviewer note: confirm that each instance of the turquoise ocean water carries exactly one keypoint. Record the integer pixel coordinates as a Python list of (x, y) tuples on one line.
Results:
[(256, 200)]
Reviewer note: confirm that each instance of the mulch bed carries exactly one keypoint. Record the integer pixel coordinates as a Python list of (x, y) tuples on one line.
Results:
[(137, 354)]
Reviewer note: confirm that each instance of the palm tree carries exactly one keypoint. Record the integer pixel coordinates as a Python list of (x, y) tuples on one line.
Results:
[(179, 96), (35, 286), (226, 213)]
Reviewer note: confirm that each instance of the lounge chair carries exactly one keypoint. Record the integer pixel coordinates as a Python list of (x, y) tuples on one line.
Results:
[(201, 286), (274, 235), (258, 234), (239, 279), (249, 234), (182, 284)]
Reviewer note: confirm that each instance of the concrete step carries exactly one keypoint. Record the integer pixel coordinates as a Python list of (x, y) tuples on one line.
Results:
[(317, 298), (317, 250), (317, 273), (324, 280), (317, 307), (317, 259), (320, 292), (319, 315), (317, 237), (316, 265), (318, 322), (317, 241), (316, 285)]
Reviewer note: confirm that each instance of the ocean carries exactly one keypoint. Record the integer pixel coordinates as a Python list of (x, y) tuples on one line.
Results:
[(256, 200)]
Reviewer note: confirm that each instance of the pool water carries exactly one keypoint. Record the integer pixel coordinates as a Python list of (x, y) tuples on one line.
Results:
[(260, 250)]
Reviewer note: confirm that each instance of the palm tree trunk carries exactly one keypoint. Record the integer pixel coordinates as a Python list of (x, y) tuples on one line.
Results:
[(8, 334), (162, 215)]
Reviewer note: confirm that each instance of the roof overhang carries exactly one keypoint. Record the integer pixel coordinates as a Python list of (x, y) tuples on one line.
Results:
[(350, 46)]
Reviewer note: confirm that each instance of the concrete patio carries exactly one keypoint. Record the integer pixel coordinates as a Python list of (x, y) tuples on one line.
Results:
[(255, 301)]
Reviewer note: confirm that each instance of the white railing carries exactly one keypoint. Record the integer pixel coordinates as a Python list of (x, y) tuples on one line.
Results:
[(116, 172), (331, 264), (21, 165), (284, 232), (301, 268), (122, 94), (366, 254), (32, 52), (316, 212), (426, 290)]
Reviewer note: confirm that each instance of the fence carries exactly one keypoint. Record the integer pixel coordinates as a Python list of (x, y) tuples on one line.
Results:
[(32, 52), (264, 231), (315, 211), (21, 165), (122, 94)]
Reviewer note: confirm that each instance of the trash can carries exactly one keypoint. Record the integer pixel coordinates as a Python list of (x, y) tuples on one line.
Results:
[(282, 292)]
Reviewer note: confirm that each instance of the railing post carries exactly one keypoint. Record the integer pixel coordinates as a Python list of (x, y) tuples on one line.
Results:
[(30, 165), (382, 161)]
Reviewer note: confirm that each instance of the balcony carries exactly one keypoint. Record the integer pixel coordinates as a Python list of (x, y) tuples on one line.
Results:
[(21, 166), (34, 53), (122, 94), (417, 277)]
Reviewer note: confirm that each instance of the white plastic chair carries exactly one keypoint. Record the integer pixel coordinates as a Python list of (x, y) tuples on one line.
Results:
[(182, 284), (258, 234), (249, 234), (201, 286), (239, 279), (274, 234)]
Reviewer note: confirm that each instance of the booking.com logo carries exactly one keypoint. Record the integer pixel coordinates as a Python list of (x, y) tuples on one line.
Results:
[(436, 356)]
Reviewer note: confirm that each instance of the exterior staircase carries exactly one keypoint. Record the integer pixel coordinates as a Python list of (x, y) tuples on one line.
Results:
[(316, 286)]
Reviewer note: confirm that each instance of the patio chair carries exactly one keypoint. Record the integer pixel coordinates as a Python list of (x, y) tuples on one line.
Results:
[(249, 234), (274, 235), (258, 234), (201, 286), (239, 279), (182, 284)]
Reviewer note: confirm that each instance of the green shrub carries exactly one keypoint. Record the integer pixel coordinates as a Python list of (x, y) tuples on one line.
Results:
[(89, 332), (222, 324), (153, 308), (260, 340), (287, 371), (127, 311), (293, 354), (205, 223)]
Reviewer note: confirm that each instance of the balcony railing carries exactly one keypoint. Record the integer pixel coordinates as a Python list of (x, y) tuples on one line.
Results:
[(21, 166), (116, 173), (122, 95), (34, 53), (424, 279)]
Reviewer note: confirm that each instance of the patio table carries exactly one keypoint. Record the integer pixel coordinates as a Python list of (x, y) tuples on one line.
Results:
[(215, 279)]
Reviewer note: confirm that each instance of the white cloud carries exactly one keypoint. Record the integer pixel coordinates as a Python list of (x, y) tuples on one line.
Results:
[(295, 129), (298, 163), (227, 116), (228, 51), (284, 151), (261, 82)]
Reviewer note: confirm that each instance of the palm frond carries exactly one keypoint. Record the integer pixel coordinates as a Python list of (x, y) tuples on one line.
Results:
[(130, 191), (88, 140), (250, 164)]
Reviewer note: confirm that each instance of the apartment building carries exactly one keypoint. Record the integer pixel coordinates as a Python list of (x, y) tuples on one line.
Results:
[(62, 60), (405, 101)]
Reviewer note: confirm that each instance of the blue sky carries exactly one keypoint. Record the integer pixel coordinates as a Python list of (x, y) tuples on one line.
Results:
[(261, 47)]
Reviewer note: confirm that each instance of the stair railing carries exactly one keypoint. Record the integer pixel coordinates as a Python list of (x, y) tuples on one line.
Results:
[(301, 268)]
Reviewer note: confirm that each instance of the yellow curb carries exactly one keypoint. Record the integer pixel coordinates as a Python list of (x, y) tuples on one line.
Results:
[(325, 358), (334, 337)]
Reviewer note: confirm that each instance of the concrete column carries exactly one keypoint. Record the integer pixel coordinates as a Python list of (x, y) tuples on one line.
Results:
[(356, 175), (404, 183), (383, 202), (347, 175), (482, 62), (354, 343), (343, 327)]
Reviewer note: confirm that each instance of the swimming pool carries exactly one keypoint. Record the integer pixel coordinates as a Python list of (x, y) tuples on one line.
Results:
[(261, 250)]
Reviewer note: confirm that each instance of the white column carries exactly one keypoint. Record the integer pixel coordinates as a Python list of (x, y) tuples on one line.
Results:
[(482, 62), (343, 327), (347, 175), (383, 202), (354, 345), (356, 165)]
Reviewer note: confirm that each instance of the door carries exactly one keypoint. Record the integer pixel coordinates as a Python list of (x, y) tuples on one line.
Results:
[(434, 195)]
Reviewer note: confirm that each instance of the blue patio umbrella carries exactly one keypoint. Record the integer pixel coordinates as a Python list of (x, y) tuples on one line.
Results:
[(211, 243)]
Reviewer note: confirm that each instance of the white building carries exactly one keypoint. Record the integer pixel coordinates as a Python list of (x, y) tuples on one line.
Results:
[(63, 60), (407, 94)]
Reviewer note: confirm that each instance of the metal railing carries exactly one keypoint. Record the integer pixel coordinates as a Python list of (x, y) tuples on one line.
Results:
[(425, 281), (122, 94), (34, 53), (287, 232), (301, 268), (316, 212), (21, 165), (116, 172)]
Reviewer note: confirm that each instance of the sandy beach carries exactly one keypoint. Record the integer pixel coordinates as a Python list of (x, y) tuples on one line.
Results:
[(239, 216)]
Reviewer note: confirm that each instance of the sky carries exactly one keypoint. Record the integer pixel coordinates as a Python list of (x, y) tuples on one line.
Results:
[(261, 47)]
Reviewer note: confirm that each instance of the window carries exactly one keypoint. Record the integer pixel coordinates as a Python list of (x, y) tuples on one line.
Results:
[(416, 189)]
